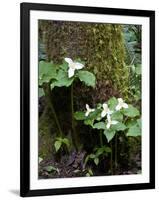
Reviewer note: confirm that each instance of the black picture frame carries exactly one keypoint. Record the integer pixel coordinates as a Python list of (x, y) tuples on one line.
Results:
[(25, 9)]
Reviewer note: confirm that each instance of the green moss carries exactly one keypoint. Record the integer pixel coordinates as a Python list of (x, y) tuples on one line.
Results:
[(47, 132), (101, 46)]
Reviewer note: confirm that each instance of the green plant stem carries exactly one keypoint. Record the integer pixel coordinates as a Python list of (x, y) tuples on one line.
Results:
[(74, 133), (101, 138), (48, 95), (111, 159), (116, 151)]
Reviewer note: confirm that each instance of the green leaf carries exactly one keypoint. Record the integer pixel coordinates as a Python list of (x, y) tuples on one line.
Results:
[(57, 145), (76, 171), (99, 106), (118, 116), (102, 150), (107, 149), (112, 103), (139, 122), (109, 134), (41, 92), (50, 168), (134, 131), (94, 115), (40, 159), (131, 111), (96, 161), (62, 79), (130, 123), (92, 156), (66, 141), (100, 125), (90, 172), (88, 175), (59, 138), (89, 122), (47, 72), (99, 151), (87, 77), (79, 115), (119, 126), (64, 66)]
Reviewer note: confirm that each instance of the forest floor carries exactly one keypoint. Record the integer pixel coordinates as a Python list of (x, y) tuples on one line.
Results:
[(72, 166)]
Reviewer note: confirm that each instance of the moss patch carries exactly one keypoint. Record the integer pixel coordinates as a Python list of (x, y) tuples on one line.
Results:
[(101, 46)]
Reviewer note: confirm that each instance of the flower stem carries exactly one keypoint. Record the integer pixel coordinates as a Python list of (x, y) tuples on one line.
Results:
[(74, 133), (48, 96)]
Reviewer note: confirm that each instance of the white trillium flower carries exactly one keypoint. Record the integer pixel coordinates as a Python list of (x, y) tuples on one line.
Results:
[(73, 66), (121, 104), (106, 110), (89, 110), (110, 122)]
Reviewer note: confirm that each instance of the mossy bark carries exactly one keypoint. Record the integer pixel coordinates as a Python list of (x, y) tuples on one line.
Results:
[(48, 96), (100, 46), (46, 137)]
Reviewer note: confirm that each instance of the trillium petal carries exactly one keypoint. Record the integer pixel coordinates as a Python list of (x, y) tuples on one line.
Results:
[(87, 113), (118, 107), (71, 72), (103, 113), (87, 106), (120, 100), (108, 118), (125, 105), (92, 110), (105, 106), (69, 60), (78, 65)]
